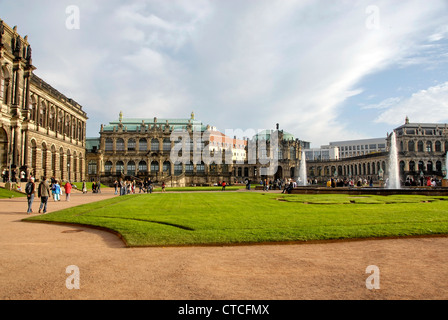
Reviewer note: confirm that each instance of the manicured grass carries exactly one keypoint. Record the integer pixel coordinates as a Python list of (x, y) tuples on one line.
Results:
[(4, 194), (240, 218), (202, 189)]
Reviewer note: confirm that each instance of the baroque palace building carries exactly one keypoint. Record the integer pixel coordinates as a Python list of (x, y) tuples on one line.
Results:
[(422, 153), (141, 149), (42, 132)]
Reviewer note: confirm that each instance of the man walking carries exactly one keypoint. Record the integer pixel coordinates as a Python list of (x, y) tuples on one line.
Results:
[(43, 193), (30, 190)]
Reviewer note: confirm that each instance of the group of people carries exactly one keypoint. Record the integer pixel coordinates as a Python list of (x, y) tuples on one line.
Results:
[(44, 191), (124, 187)]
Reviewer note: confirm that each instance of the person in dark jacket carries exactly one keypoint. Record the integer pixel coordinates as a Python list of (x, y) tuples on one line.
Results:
[(43, 193), (30, 190)]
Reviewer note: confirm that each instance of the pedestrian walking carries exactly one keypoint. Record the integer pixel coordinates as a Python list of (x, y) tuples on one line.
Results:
[(56, 190), (43, 192), (30, 190), (84, 187), (68, 190)]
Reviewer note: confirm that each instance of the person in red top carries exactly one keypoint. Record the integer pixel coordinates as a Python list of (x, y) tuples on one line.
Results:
[(223, 186), (68, 190)]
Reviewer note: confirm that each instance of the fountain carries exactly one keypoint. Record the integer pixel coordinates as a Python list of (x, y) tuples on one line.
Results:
[(445, 179), (393, 169), (303, 178)]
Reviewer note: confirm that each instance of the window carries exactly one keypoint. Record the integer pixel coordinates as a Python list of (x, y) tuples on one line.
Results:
[(178, 169), (428, 147), (119, 167), (131, 145), (200, 168), (411, 146), (142, 166), (142, 145), (109, 144), (438, 146), (108, 167), (167, 167), (131, 168), (92, 168), (166, 144), (154, 167), (120, 144), (189, 168), (154, 145), (420, 146)]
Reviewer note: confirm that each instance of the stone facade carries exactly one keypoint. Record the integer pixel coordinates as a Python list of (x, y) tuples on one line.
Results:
[(42, 132), (422, 152), (139, 149)]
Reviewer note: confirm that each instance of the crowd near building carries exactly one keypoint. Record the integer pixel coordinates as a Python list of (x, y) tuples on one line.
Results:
[(43, 134)]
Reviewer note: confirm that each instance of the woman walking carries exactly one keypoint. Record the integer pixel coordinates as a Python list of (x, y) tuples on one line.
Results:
[(68, 190)]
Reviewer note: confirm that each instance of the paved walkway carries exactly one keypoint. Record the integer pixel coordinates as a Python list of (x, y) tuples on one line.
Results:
[(34, 258)]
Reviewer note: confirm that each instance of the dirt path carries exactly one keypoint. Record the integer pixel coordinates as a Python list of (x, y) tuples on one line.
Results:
[(34, 258)]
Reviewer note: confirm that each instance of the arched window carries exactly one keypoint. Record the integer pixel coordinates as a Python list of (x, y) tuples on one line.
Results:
[(439, 167), (154, 167), (167, 167), (120, 144), (166, 144), (52, 119), (155, 145), (42, 115), (143, 145), (131, 145), (60, 122), (143, 167), (292, 153), (429, 166), (108, 167), (119, 167), (109, 144), (67, 126), (411, 146), (189, 168), (420, 146), (131, 168), (438, 146), (178, 168), (92, 167), (428, 146), (412, 166)]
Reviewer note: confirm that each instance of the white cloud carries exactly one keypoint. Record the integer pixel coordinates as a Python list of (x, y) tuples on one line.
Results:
[(430, 106), (237, 64)]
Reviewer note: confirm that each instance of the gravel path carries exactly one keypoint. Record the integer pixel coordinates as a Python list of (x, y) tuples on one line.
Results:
[(34, 258)]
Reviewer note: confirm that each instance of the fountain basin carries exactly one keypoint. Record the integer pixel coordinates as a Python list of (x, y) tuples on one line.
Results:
[(425, 191)]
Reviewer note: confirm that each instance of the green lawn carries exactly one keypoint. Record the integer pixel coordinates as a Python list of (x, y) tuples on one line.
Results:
[(236, 218), (11, 194)]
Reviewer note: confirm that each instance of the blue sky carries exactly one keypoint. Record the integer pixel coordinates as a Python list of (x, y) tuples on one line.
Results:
[(324, 70)]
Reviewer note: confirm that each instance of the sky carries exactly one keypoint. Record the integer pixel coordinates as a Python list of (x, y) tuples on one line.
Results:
[(323, 70)]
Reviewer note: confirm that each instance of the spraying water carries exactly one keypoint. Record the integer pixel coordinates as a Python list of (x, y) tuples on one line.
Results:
[(303, 178), (394, 176), (446, 165)]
